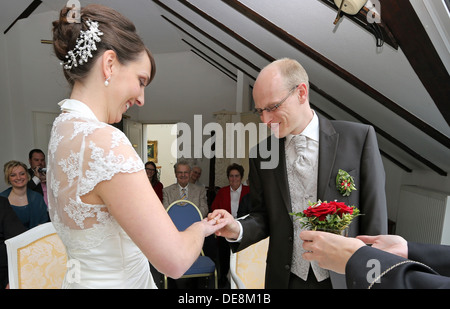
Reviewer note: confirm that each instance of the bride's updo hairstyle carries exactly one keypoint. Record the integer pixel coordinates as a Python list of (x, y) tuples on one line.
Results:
[(119, 35)]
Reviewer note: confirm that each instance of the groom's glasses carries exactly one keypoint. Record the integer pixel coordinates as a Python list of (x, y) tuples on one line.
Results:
[(260, 111)]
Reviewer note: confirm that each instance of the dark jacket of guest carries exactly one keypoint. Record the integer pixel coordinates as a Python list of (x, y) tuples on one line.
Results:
[(10, 226), (158, 187), (32, 185), (37, 209)]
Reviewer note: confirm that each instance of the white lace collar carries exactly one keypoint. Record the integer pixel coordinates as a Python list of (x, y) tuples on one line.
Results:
[(75, 106)]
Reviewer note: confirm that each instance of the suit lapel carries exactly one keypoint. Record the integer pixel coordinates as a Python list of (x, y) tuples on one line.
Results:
[(328, 142), (281, 176)]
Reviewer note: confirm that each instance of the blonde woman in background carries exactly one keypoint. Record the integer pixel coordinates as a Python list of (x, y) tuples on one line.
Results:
[(28, 205)]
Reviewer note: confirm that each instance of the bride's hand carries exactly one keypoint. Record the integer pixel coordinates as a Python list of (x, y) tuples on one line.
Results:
[(212, 225)]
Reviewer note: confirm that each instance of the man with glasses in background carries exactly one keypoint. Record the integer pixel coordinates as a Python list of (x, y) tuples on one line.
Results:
[(182, 189), (312, 150)]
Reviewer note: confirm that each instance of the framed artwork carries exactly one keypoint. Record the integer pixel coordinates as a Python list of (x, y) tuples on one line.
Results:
[(152, 151)]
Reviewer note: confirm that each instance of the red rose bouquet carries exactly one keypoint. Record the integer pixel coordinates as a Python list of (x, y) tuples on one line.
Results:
[(333, 216)]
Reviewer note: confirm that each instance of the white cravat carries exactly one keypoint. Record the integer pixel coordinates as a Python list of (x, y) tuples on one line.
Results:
[(302, 156)]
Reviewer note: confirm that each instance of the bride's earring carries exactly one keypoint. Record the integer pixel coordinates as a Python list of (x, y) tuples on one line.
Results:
[(107, 81)]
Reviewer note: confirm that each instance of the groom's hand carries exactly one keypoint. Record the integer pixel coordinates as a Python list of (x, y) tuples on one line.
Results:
[(231, 229)]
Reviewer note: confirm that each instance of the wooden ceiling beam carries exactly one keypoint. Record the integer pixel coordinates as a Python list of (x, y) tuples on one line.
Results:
[(415, 43)]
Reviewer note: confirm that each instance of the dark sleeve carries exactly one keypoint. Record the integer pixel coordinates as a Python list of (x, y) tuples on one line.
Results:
[(435, 256), (244, 206), (390, 271)]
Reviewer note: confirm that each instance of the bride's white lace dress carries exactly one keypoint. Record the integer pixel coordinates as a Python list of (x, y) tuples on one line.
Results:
[(82, 153)]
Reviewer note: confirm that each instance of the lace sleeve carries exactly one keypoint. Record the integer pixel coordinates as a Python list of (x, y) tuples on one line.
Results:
[(108, 152), (83, 153)]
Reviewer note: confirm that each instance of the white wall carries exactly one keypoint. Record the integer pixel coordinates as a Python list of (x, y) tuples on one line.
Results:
[(170, 99), (396, 178), (6, 132), (31, 80)]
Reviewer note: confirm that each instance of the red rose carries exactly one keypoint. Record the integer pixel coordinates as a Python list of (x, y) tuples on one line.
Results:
[(342, 208), (320, 210)]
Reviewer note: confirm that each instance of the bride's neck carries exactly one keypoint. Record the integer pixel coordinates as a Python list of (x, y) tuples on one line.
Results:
[(92, 97)]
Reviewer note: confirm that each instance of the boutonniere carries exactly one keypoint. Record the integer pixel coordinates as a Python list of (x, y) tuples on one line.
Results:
[(345, 183)]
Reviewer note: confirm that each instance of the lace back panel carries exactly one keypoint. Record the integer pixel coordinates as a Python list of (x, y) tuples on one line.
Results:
[(82, 153)]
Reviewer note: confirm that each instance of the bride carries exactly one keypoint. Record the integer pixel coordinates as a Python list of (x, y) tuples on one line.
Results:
[(100, 201)]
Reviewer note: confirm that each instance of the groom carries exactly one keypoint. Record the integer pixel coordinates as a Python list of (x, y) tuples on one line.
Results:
[(281, 95)]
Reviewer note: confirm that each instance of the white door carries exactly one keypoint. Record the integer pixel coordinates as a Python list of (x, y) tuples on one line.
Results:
[(133, 130)]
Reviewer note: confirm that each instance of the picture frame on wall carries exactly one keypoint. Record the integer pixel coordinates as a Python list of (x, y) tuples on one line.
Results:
[(152, 151)]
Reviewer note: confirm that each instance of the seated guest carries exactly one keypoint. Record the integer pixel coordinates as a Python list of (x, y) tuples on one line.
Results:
[(182, 189), (10, 226), (229, 197), (196, 172), (153, 177), (27, 204), (196, 194)]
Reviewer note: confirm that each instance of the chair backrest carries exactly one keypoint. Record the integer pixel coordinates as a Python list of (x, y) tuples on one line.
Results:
[(37, 259), (248, 266), (183, 213)]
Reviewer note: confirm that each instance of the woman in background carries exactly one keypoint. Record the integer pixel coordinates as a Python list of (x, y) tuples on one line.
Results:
[(28, 205), (229, 197), (153, 177)]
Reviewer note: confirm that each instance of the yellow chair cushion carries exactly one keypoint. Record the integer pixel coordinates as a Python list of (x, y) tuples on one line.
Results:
[(42, 263)]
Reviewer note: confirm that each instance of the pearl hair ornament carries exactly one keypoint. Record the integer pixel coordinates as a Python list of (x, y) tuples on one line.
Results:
[(85, 44)]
